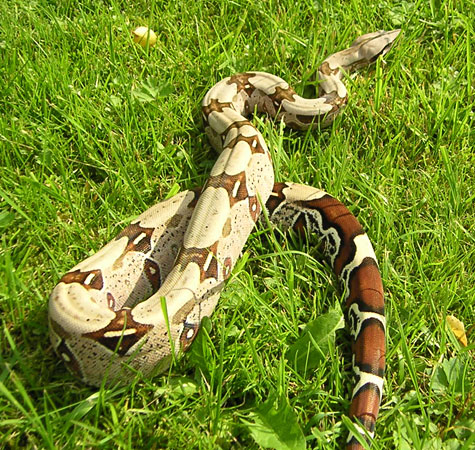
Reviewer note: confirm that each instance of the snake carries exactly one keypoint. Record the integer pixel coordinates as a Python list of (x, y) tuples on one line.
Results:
[(138, 302)]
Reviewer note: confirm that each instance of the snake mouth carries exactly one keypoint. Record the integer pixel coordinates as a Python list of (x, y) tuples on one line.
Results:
[(392, 35)]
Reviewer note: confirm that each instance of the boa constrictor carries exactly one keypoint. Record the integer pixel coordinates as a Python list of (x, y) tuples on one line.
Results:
[(140, 299)]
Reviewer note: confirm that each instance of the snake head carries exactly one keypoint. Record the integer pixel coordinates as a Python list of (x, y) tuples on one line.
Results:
[(373, 45), (365, 50)]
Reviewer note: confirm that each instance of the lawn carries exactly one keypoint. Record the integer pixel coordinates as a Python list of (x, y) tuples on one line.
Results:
[(94, 129)]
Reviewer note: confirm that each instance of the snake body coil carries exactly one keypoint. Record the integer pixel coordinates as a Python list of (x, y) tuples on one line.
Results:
[(107, 315)]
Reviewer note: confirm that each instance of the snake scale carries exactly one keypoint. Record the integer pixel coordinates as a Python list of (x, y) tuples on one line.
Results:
[(140, 299)]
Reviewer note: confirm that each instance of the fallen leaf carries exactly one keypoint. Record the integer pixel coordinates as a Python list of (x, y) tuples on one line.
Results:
[(458, 329)]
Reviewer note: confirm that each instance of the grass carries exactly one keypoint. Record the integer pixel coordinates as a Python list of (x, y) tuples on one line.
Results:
[(91, 135)]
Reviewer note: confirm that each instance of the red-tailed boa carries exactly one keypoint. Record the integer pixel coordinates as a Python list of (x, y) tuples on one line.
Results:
[(141, 298)]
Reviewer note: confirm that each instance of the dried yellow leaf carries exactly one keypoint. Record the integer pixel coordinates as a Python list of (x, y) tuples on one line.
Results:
[(458, 329)]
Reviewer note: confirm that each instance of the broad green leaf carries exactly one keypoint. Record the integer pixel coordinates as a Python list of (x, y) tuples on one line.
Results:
[(449, 376), (276, 426), (312, 347), (150, 90), (465, 428), (452, 444), (6, 218), (183, 386)]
